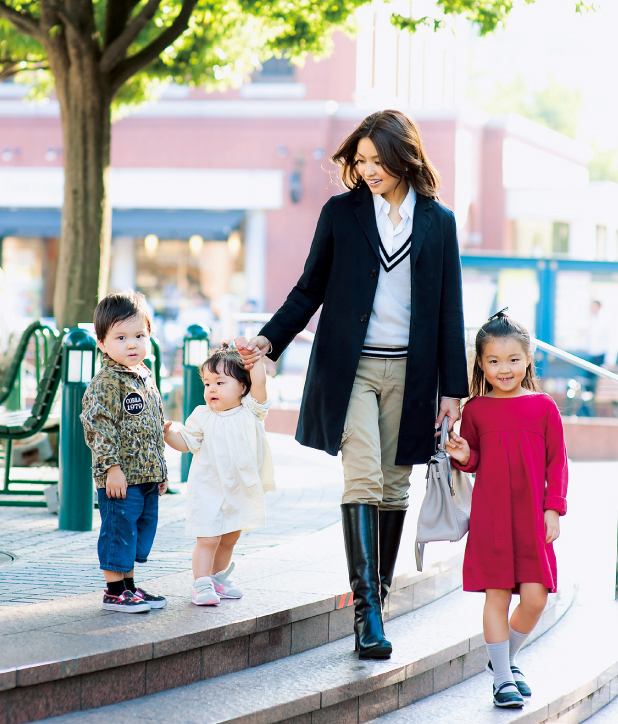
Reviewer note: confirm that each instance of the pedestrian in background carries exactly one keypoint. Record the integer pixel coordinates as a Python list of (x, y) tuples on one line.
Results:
[(598, 348), (384, 266), (512, 438)]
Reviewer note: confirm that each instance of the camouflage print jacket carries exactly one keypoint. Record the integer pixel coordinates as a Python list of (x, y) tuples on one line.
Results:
[(123, 423)]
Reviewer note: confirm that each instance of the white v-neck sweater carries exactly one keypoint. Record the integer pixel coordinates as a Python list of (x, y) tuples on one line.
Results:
[(389, 325)]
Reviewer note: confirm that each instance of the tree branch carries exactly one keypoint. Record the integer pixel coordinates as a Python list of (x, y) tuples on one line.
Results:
[(56, 48), (9, 68), (125, 69), (115, 51), (23, 21), (117, 15)]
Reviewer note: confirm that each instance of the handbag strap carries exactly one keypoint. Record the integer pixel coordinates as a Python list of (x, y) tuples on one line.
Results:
[(443, 435)]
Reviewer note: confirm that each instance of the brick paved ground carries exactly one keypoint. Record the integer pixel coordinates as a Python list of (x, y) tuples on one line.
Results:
[(53, 564)]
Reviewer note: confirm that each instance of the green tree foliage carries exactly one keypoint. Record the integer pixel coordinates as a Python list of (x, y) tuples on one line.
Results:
[(554, 106), (604, 164), (487, 15)]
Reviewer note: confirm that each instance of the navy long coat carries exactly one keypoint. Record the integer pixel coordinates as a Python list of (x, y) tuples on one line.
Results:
[(341, 274)]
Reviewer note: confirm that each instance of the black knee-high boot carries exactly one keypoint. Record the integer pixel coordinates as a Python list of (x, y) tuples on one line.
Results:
[(390, 530), (360, 531)]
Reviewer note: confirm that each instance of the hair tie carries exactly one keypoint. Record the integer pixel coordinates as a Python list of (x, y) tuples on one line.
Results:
[(498, 315)]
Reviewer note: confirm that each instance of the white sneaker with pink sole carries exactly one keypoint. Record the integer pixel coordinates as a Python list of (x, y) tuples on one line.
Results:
[(203, 592), (224, 586)]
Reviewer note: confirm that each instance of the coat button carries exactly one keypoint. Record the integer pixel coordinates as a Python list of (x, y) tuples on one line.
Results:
[(364, 318), (373, 273)]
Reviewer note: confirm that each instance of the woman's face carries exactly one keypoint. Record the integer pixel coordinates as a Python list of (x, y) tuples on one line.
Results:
[(371, 170)]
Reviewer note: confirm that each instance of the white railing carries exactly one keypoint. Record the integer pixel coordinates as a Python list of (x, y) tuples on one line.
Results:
[(574, 360), (250, 318)]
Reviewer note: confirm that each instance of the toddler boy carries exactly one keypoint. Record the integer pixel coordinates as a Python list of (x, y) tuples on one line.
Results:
[(123, 424)]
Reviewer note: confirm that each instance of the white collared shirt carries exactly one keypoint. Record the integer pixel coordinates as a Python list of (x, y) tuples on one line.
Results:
[(388, 332), (393, 237)]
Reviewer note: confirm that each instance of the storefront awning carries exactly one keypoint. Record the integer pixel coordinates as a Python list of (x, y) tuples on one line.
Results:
[(166, 224)]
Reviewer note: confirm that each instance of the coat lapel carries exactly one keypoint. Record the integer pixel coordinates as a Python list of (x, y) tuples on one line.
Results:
[(365, 213), (421, 223)]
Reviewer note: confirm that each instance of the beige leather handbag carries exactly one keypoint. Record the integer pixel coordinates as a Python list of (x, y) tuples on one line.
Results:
[(445, 512)]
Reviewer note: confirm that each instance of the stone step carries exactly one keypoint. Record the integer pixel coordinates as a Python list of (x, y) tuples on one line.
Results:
[(572, 671), (609, 713), (70, 655), (435, 647)]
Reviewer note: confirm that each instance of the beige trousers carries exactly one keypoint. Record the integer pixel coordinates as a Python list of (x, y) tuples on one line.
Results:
[(370, 433)]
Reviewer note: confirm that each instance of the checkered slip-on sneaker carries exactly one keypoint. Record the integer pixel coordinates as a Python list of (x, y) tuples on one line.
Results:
[(203, 592), (127, 602), (151, 598), (224, 586)]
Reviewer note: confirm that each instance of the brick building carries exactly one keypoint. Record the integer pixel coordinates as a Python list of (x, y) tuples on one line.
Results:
[(218, 194)]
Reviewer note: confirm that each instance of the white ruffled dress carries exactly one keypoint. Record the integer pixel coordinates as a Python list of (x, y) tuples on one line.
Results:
[(232, 468)]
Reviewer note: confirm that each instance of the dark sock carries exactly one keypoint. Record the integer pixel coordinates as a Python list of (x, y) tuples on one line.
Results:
[(115, 588), (130, 584)]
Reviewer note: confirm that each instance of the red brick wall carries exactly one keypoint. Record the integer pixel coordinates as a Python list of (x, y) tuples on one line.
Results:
[(32, 136), (493, 207)]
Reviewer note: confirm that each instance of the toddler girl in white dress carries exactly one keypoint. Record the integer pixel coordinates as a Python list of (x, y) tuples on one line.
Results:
[(231, 470)]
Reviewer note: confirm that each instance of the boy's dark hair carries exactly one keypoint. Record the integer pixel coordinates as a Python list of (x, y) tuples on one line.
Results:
[(118, 307), (499, 326), (226, 359)]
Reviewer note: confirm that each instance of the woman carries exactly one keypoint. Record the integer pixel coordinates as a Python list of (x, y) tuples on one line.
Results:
[(384, 264)]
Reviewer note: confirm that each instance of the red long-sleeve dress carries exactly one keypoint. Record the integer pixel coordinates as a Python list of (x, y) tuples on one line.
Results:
[(518, 453)]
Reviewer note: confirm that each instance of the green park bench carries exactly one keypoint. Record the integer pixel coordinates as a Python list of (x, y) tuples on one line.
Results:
[(12, 361), (23, 424), (45, 413)]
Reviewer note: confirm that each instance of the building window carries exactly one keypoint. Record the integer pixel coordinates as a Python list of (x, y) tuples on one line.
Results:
[(601, 242), (275, 70), (560, 238)]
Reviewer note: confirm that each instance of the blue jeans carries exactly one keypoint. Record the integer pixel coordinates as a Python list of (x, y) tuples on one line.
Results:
[(128, 527)]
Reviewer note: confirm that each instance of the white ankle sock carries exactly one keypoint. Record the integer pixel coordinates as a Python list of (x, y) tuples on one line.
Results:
[(499, 657), (516, 641)]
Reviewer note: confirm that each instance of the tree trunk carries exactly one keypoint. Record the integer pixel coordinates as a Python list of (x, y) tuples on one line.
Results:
[(85, 243)]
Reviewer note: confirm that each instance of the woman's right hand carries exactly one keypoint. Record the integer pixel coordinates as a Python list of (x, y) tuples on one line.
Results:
[(256, 348), (458, 449)]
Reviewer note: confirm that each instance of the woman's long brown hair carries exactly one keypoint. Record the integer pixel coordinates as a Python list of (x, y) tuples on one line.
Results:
[(500, 326), (399, 147)]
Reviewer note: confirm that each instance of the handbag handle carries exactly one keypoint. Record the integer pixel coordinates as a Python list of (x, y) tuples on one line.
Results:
[(443, 435)]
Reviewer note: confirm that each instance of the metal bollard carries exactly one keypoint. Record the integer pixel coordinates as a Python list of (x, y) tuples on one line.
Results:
[(75, 489), (195, 352)]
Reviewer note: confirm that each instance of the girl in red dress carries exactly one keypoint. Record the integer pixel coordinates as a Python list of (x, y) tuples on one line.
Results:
[(512, 438)]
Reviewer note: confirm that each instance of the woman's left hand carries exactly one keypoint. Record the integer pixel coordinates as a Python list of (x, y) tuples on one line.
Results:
[(448, 406)]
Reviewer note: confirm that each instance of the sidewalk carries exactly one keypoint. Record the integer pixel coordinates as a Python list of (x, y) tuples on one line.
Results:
[(289, 651), (53, 564), (68, 656)]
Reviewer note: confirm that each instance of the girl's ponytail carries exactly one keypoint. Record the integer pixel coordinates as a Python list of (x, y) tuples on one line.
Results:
[(498, 326)]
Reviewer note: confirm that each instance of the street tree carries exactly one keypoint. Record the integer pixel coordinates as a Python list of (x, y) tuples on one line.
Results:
[(554, 105), (97, 54)]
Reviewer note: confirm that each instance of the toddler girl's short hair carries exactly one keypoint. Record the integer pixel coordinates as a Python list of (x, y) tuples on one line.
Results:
[(228, 361), (118, 307), (499, 326)]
